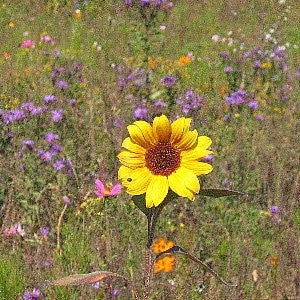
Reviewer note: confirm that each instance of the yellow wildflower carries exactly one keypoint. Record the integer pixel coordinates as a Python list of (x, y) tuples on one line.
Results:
[(162, 156), (152, 63), (274, 261), (266, 65), (6, 55), (11, 25)]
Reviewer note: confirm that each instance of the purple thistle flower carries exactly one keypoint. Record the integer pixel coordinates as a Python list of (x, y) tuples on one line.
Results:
[(208, 158), (260, 118), (50, 137), (73, 102), (55, 149), (228, 69), (50, 99), (160, 104), (96, 285), (257, 64), (28, 106), (247, 55), (38, 110), (253, 105), (29, 144), (67, 200), (58, 164), (141, 114), (44, 231), (33, 294), (274, 209), (168, 81), (45, 156), (224, 54), (62, 85), (57, 115)]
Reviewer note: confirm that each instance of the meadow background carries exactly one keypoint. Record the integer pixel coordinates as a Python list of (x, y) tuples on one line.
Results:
[(89, 73)]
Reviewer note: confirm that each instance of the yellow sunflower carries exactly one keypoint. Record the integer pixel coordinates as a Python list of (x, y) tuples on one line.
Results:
[(162, 156)]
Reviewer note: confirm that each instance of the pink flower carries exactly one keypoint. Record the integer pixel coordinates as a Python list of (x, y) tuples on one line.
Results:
[(101, 190), (47, 39), (27, 44), (14, 230)]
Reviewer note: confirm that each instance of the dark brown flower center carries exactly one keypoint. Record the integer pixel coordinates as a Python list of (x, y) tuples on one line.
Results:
[(163, 159)]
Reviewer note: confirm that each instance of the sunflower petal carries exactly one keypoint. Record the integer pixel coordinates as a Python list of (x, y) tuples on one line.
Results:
[(176, 182), (136, 181), (135, 148), (137, 135), (194, 154), (157, 190), (131, 160), (162, 128), (188, 140), (204, 142), (147, 132), (179, 127), (199, 168)]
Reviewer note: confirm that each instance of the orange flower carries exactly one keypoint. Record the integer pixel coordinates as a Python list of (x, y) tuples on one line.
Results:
[(274, 261), (164, 264), (223, 90), (185, 60), (6, 55), (161, 245), (78, 14), (152, 63)]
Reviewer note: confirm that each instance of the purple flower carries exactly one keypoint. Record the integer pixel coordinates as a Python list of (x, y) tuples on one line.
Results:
[(50, 137), (228, 69), (115, 292), (257, 64), (28, 106), (274, 209), (13, 115), (260, 118), (44, 231), (58, 164), (247, 55), (29, 144), (96, 285), (50, 98), (56, 53), (168, 80), (119, 122), (47, 39), (141, 114), (77, 66), (224, 54), (226, 183), (57, 115), (208, 158), (33, 294), (55, 149), (145, 2), (238, 98), (160, 104), (227, 118), (73, 102), (45, 156), (62, 85), (253, 105), (38, 110), (67, 200)]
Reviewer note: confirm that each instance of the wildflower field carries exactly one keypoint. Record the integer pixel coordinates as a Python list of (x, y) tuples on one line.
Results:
[(150, 146)]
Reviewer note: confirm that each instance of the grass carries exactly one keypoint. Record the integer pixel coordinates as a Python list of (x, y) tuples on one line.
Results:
[(235, 235)]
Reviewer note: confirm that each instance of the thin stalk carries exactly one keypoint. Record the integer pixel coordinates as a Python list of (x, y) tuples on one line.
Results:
[(58, 246)]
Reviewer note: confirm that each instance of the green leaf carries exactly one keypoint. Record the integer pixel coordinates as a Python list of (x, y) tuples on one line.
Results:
[(140, 203), (216, 193)]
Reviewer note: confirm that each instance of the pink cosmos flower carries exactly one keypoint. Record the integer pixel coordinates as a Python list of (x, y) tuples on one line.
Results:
[(27, 44), (101, 190)]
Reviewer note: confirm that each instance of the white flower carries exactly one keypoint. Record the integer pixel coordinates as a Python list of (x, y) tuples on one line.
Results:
[(295, 46), (287, 44), (281, 1), (271, 30), (162, 27), (215, 38), (267, 36), (229, 33)]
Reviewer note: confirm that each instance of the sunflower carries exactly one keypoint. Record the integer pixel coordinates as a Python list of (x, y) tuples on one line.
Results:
[(162, 156)]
